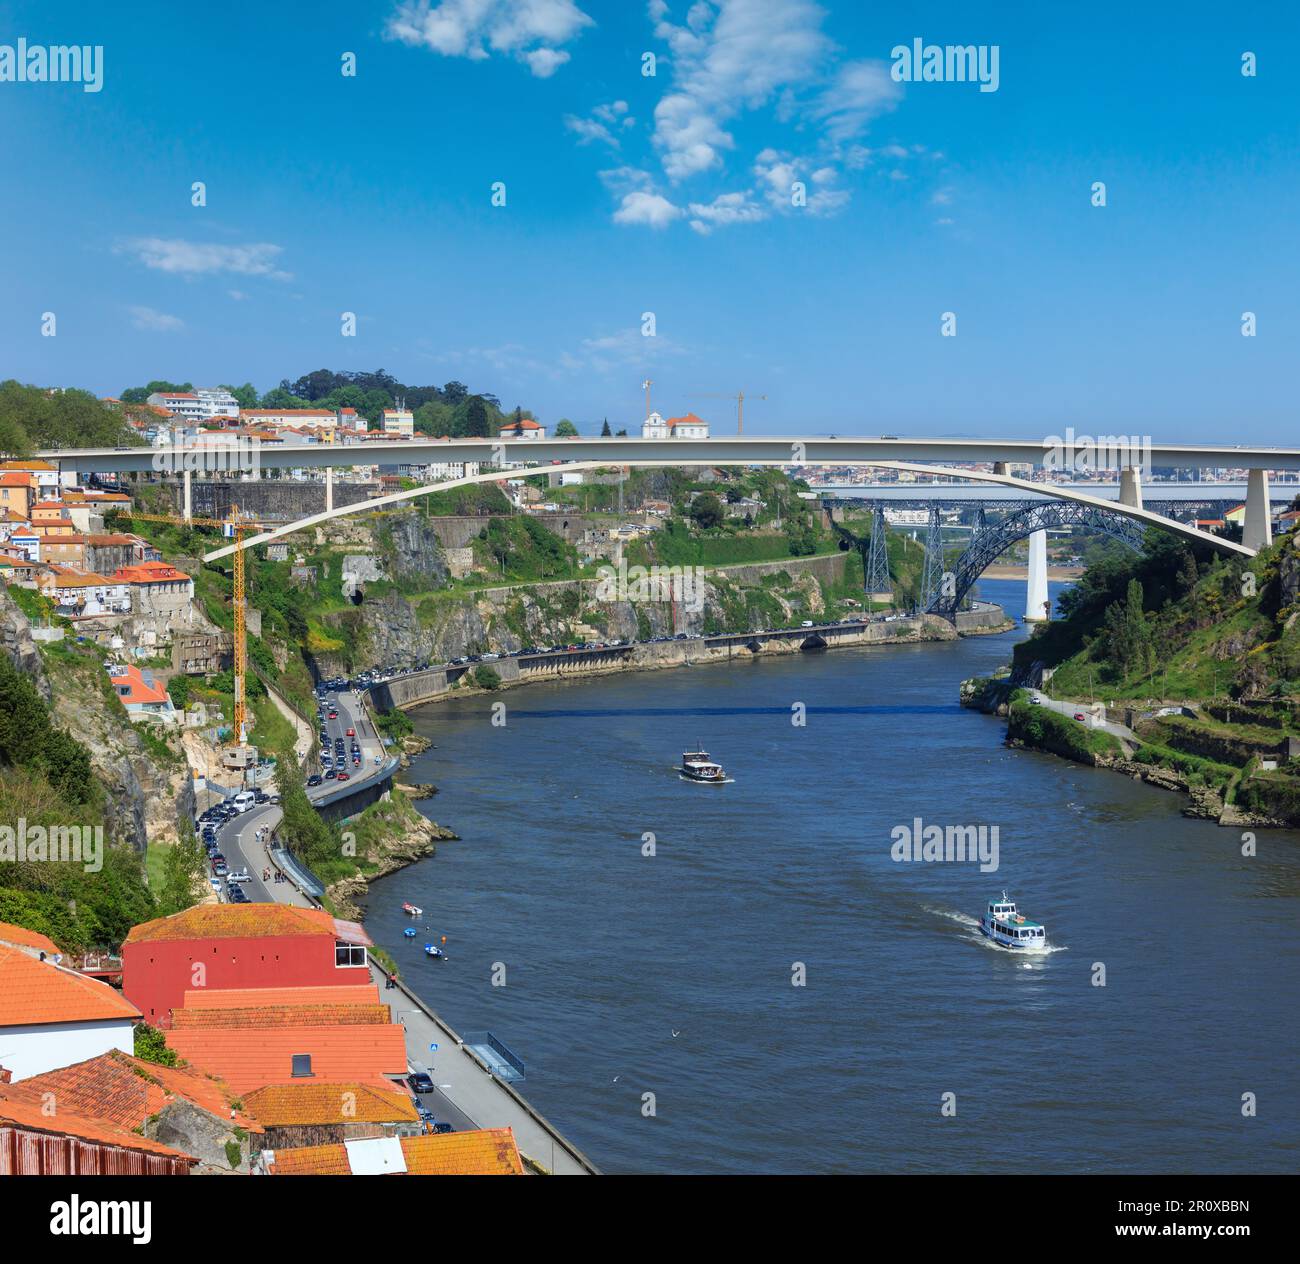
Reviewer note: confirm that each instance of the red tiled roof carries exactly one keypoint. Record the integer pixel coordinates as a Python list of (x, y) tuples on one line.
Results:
[(15, 478), (125, 676), (364, 1052), (34, 991), (689, 420), (485, 1152), (35, 1119), (311, 1102), (148, 573), (524, 423), (243, 998), (321, 1014), (123, 1091), (246, 921), (20, 936)]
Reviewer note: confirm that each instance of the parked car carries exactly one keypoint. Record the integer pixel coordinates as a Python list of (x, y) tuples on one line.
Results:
[(330, 775), (1078, 715), (314, 780), (420, 1082)]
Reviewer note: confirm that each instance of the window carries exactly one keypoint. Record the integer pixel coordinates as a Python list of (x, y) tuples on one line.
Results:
[(349, 955)]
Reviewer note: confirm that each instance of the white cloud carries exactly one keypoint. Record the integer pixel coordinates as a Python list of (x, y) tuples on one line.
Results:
[(193, 258), (624, 179), (648, 209), (598, 127), (729, 57), (725, 209), (861, 91), (531, 31), (155, 321)]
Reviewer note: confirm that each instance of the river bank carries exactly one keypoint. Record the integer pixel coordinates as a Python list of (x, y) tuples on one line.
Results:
[(403, 693)]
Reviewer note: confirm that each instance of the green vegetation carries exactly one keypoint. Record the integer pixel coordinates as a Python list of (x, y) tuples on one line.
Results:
[(32, 418), (486, 676), (151, 1046), (1047, 730), (394, 724)]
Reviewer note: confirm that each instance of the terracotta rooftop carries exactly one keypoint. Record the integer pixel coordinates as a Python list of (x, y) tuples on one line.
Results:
[(318, 1015), (21, 937), (362, 1052), (122, 1091), (487, 1152), (338, 1102), (34, 1118), (244, 998), (246, 921), (34, 991)]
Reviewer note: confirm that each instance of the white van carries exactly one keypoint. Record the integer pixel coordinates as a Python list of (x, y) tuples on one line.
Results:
[(244, 800)]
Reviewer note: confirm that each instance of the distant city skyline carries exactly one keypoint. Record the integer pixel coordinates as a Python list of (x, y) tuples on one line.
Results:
[(500, 195)]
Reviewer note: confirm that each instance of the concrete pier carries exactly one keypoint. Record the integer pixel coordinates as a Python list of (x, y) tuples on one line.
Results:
[(1130, 487), (1257, 530), (1038, 606)]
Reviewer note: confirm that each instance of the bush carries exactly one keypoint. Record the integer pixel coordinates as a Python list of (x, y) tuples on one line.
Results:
[(151, 1046), (486, 677)]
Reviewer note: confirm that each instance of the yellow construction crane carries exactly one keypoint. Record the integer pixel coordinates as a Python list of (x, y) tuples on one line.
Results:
[(234, 527), (739, 397)]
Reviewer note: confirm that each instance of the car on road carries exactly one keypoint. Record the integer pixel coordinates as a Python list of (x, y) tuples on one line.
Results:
[(334, 715), (330, 774), (343, 774), (437, 1127), (219, 868), (420, 1082), (237, 895), (1078, 715), (350, 733), (315, 779), (240, 875)]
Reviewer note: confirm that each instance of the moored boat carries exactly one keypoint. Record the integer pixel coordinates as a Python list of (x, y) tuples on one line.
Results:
[(432, 950), (1008, 928), (412, 910)]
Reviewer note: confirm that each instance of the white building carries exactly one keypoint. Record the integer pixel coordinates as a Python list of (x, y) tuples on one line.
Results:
[(688, 427), (524, 428), (315, 418), (398, 421), (217, 402), (51, 1016), (183, 404)]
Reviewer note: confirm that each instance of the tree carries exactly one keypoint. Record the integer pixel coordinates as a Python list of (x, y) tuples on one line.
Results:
[(183, 867), (706, 511), (565, 429), (605, 431), (245, 396), (476, 418)]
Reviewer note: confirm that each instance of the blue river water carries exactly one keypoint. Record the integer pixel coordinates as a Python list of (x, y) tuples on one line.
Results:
[(672, 974)]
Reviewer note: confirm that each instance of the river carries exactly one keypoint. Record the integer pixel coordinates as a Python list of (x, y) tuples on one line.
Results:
[(627, 975)]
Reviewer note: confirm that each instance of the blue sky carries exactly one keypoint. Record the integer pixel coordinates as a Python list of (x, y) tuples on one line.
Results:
[(670, 194)]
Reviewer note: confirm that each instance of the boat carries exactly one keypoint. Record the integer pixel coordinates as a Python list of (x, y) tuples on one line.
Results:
[(409, 932), (697, 766), (432, 950), (412, 910), (1008, 928)]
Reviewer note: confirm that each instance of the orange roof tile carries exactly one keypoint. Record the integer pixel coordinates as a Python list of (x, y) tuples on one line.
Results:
[(319, 1015), (149, 573), (243, 998), (335, 1102), (123, 1091), (69, 1125), (131, 679), (246, 921), (365, 1052), (20, 936), (486, 1152), (34, 991)]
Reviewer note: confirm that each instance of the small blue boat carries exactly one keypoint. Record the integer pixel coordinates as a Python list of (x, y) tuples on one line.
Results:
[(1009, 929), (432, 950), (409, 932)]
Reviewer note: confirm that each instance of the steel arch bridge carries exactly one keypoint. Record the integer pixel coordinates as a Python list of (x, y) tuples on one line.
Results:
[(990, 540)]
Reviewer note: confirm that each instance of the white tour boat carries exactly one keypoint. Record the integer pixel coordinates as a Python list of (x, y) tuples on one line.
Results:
[(697, 766), (1010, 929)]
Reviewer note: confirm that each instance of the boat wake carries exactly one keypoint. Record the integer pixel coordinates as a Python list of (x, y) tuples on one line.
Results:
[(717, 781)]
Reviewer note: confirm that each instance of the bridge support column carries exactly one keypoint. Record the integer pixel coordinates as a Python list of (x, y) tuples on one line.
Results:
[(329, 488), (1038, 606), (1130, 487), (1257, 530), (188, 509)]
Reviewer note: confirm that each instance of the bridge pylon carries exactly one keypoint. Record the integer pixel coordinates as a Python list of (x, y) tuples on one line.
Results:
[(878, 585), (932, 574)]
